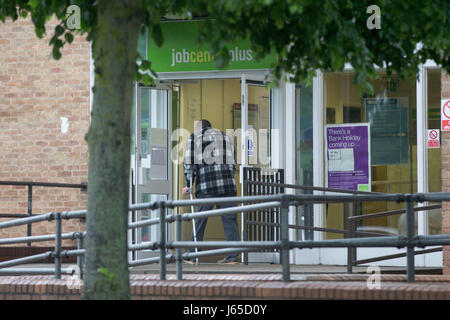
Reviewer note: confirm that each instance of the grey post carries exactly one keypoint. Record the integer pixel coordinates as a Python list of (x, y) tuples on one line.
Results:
[(162, 242), (58, 230), (30, 211), (285, 239), (80, 258), (194, 227), (351, 234), (179, 251), (410, 240)]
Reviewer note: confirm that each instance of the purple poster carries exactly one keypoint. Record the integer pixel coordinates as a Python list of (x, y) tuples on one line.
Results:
[(348, 156)]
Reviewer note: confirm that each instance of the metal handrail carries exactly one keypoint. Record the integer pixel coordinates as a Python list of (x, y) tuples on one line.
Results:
[(310, 188), (284, 201), (82, 185), (392, 212), (351, 254), (30, 184), (350, 230)]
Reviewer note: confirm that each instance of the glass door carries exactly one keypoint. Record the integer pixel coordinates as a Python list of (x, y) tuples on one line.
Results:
[(253, 117), (151, 170)]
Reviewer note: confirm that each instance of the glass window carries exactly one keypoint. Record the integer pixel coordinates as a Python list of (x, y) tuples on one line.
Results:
[(150, 233), (259, 125), (390, 111), (142, 42), (154, 132), (304, 154)]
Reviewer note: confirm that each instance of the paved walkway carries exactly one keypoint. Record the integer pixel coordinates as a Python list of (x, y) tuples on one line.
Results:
[(265, 268)]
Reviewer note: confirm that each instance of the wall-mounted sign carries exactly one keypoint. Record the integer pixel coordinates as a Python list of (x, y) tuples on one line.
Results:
[(348, 156), (181, 51), (445, 115), (433, 139)]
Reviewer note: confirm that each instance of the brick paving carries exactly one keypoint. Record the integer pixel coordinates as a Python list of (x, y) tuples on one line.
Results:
[(241, 286)]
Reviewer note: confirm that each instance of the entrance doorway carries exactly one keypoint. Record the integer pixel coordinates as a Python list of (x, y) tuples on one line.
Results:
[(164, 118), (220, 101)]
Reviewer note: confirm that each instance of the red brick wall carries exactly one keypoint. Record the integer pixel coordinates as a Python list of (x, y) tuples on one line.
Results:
[(236, 287), (445, 94), (36, 91)]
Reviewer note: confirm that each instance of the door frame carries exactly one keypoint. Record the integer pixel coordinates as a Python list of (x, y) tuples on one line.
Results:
[(136, 190)]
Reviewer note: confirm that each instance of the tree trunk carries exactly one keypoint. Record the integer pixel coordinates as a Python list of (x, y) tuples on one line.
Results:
[(114, 52)]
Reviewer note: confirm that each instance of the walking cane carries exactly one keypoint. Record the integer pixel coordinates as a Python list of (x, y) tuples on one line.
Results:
[(194, 229)]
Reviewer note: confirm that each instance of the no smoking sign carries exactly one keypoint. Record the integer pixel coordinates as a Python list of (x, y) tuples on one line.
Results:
[(433, 139), (445, 115)]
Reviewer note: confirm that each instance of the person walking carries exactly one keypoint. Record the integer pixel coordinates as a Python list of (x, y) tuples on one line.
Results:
[(209, 163)]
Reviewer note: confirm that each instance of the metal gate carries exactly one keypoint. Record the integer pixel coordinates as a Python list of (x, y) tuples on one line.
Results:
[(262, 225)]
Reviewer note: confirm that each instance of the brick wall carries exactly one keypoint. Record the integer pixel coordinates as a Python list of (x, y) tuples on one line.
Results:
[(445, 94), (37, 95), (237, 287)]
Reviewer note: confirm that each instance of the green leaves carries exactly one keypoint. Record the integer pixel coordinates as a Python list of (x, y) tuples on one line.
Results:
[(41, 11), (319, 34), (327, 34), (144, 72), (59, 30), (110, 276), (58, 40), (68, 37), (34, 4), (157, 35)]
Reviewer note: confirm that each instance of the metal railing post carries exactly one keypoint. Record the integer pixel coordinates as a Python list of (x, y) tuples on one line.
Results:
[(351, 234), (58, 231), (410, 239), (30, 211), (285, 239), (80, 258), (162, 245), (353, 226), (179, 251)]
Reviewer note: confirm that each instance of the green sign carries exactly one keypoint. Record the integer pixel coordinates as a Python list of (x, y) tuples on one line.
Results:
[(181, 51)]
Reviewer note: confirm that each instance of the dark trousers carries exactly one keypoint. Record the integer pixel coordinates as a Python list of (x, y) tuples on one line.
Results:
[(229, 223)]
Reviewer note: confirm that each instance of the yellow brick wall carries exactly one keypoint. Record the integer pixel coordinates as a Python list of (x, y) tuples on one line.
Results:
[(36, 91)]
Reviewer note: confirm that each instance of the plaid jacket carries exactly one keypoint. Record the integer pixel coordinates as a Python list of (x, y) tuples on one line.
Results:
[(209, 160)]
